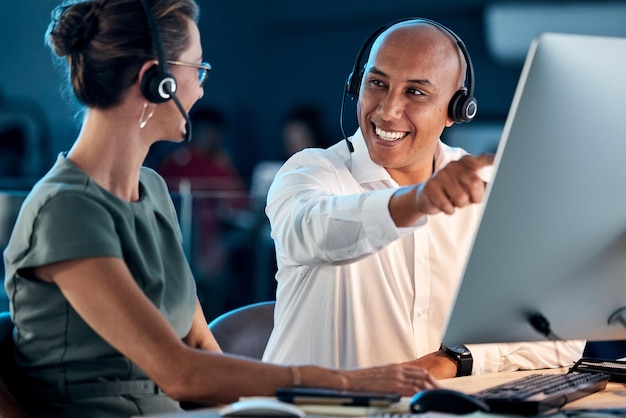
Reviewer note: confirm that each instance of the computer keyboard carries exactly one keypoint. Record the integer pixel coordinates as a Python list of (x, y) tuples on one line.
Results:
[(538, 393)]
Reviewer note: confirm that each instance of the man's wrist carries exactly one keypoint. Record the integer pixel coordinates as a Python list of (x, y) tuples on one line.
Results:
[(462, 356)]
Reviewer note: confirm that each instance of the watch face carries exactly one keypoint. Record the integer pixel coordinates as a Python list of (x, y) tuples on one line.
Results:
[(458, 349)]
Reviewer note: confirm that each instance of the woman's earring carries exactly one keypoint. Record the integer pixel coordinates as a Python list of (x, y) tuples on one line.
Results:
[(143, 119)]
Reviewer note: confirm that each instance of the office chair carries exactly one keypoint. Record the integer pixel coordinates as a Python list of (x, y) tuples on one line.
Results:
[(245, 331), (9, 406)]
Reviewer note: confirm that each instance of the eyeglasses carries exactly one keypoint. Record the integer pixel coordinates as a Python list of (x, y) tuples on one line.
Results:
[(203, 69)]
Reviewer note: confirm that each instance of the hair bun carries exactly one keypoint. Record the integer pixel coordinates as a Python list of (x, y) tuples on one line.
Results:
[(74, 27)]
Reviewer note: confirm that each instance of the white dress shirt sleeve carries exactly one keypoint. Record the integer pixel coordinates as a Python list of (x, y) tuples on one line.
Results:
[(489, 358), (320, 215)]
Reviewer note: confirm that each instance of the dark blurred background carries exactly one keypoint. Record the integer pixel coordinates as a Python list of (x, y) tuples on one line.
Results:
[(268, 58)]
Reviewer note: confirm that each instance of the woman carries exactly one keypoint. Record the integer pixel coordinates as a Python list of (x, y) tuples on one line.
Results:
[(103, 300)]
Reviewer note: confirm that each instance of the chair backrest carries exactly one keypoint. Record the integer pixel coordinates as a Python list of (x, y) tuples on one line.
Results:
[(9, 407), (245, 331)]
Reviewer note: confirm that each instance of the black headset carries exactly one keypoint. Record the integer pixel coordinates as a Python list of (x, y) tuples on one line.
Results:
[(463, 105), (158, 85)]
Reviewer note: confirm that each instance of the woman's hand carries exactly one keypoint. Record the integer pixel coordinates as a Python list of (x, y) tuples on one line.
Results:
[(405, 379)]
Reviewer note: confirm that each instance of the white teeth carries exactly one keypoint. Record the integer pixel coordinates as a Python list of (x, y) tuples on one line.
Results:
[(389, 136)]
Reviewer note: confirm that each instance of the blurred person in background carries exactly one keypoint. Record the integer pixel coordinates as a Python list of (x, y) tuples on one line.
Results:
[(302, 126)]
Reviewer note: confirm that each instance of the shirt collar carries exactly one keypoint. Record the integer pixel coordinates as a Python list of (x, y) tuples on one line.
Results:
[(365, 170)]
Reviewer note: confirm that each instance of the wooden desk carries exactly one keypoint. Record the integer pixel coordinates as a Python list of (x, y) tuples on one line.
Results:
[(614, 396)]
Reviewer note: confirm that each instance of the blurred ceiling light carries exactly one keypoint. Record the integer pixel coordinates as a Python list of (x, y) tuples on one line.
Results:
[(510, 27)]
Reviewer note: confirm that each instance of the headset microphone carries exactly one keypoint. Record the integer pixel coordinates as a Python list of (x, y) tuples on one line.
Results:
[(185, 115), (158, 85), (343, 132)]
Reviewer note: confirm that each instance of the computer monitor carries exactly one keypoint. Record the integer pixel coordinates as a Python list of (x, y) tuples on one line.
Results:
[(551, 243)]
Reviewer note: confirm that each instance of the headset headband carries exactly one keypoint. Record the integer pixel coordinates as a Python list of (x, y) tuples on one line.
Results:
[(463, 105)]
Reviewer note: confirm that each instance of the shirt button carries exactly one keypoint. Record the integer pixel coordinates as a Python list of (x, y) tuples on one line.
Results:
[(421, 259)]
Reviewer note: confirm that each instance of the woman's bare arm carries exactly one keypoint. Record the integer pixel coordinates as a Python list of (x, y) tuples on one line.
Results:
[(104, 294)]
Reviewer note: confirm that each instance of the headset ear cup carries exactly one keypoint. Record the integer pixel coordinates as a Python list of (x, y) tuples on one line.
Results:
[(350, 88), (463, 107), (152, 85), (353, 84)]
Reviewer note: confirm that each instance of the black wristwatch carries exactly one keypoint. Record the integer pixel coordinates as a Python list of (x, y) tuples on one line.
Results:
[(462, 356)]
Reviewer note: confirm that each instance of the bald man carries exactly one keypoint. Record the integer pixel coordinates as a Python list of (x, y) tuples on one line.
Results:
[(371, 241)]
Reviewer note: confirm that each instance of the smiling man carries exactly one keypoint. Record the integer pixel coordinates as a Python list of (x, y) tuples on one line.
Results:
[(371, 238)]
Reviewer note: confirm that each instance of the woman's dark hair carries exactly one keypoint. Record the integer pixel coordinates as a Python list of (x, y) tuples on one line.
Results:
[(105, 42)]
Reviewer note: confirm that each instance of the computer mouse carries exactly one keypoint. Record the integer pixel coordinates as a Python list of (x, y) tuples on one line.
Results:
[(446, 400), (261, 407)]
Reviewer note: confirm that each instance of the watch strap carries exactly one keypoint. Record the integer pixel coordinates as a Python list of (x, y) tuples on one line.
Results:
[(462, 356)]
